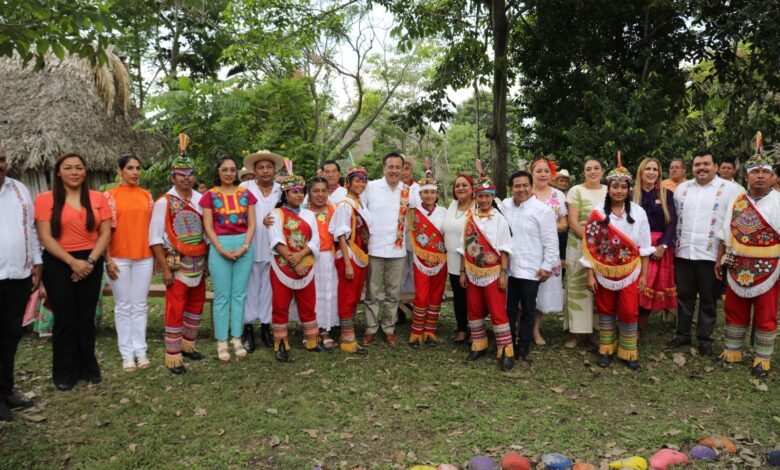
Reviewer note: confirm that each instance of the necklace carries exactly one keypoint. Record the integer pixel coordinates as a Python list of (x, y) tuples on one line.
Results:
[(459, 214)]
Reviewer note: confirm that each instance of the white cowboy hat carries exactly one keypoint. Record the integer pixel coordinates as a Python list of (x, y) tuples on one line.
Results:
[(564, 173), (251, 159)]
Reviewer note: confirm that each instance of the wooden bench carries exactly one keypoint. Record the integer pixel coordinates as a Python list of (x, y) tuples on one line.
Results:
[(158, 290)]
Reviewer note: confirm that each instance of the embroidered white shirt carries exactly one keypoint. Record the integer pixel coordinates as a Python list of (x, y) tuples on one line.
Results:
[(262, 208), (700, 214), (158, 235), (534, 237), (20, 248), (276, 237), (495, 228), (384, 203), (341, 224)]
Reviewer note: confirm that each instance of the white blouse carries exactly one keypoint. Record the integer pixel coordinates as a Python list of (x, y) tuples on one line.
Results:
[(453, 226), (341, 224)]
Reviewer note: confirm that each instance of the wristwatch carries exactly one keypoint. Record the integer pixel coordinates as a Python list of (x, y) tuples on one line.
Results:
[(91, 261)]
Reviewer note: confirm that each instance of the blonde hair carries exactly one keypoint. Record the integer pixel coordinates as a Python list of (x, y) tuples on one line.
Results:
[(659, 186)]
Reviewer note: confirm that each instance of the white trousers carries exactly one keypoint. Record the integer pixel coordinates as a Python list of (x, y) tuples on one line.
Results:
[(131, 289), (257, 305)]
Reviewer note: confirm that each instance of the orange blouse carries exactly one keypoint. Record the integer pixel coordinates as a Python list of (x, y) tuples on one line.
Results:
[(74, 235), (131, 213)]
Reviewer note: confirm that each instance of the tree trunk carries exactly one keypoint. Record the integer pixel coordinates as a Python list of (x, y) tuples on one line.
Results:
[(497, 136)]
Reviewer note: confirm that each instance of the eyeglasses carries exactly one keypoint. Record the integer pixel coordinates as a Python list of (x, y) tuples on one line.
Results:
[(228, 170)]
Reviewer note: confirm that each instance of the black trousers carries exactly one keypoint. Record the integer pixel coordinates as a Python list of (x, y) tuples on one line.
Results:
[(73, 305), (696, 278), (459, 302), (14, 294), (522, 291)]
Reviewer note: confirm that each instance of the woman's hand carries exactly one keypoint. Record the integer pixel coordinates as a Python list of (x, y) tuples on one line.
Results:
[(268, 220), (167, 276), (463, 279), (349, 271), (112, 270), (593, 285), (659, 252), (642, 282), (502, 281), (300, 269), (295, 258), (81, 269), (230, 255)]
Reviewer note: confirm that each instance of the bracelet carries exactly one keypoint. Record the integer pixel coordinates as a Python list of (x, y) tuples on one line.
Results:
[(503, 271), (463, 271), (245, 246)]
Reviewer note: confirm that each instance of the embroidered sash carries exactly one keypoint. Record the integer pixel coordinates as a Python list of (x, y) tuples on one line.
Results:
[(756, 251), (612, 254), (359, 233), (482, 261), (323, 220), (297, 233), (427, 243), (399, 231), (184, 226)]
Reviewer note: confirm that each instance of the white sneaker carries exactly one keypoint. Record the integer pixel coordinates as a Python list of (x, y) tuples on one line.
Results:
[(128, 365)]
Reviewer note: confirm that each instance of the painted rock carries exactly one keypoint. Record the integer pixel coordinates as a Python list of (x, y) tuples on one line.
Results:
[(446, 466), (720, 443), (773, 458), (631, 463), (703, 453), (666, 458), (422, 467), (556, 462), (583, 466), (515, 461), (482, 462)]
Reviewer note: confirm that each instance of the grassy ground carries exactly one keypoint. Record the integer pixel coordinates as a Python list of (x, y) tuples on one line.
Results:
[(392, 409)]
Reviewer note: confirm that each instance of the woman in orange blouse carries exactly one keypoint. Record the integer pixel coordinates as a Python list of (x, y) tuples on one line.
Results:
[(74, 226), (129, 261)]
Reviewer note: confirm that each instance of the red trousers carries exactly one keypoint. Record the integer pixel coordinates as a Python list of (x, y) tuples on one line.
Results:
[(738, 311), (349, 291), (183, 308), (306, 299), (429, 291), (623, 303), (492, 299)]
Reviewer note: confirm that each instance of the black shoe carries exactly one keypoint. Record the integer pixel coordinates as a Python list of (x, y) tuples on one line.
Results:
[(64, 386), (677, 342), (320, 348), (759, 372), (705, 349), (248, 338), (414, 344), (429, 341), (281, 354), (14, 401), (178, 370), (5, 412), (506, 363), (266, 336), (194, 355), (474, 355), (401, 317), (604, 360), (633, 365), (720, 362), (93, 380)]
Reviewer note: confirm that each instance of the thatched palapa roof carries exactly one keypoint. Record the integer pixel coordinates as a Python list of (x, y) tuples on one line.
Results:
[(69, 106)]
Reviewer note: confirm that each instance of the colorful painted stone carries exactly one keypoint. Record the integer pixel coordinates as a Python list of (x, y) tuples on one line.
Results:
[(446, 466), (720, 443), (583, 466), (630, 463), (701, 452), (422, 467), (515, 461), (666, 458), (773, 458), (482, 462), (556, 462)]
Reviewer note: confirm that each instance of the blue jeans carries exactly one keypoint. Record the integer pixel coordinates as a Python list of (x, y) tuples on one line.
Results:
[(230, 279)]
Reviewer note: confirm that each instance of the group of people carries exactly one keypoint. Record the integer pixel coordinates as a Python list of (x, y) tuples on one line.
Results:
[(605, 255)]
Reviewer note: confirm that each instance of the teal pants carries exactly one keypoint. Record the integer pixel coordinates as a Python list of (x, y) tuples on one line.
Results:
[(230, 279)]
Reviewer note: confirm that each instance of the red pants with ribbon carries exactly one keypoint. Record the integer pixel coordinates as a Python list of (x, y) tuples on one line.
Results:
[(479, 301), (738, 311), (305, 298), (619, 307), (183, 308), (429, 291)]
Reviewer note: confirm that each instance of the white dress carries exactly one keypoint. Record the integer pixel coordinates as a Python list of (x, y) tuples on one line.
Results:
[(550, 296)]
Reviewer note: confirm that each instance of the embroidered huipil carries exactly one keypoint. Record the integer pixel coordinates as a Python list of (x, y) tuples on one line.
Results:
[(484, 238), (158, 235), (296, 232), (427, 239), (352, 220), (20, 249), (534, 237), (384, 204), (751, 232), (611, 247), (263, 206), (700, 214)]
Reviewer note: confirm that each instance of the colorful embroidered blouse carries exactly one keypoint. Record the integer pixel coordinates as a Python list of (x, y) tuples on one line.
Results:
[(230, 211)]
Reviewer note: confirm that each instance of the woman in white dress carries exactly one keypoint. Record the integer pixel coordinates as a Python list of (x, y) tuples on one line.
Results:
[(550, 296)]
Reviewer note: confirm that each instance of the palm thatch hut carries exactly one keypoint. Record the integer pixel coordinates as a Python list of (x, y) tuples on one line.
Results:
[(69, 106)]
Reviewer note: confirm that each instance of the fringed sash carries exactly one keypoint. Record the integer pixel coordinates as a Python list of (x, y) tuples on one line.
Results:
[(184, 227), (427, 243), (611, 253), (399, 231), (756, 247), (359, 234), (483, 262), (297, 233)]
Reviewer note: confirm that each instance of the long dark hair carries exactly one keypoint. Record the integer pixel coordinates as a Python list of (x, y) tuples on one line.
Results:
[(125, 159), (283, 198), (318, 179), (58, 193), (608, 206), (222, 159)]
